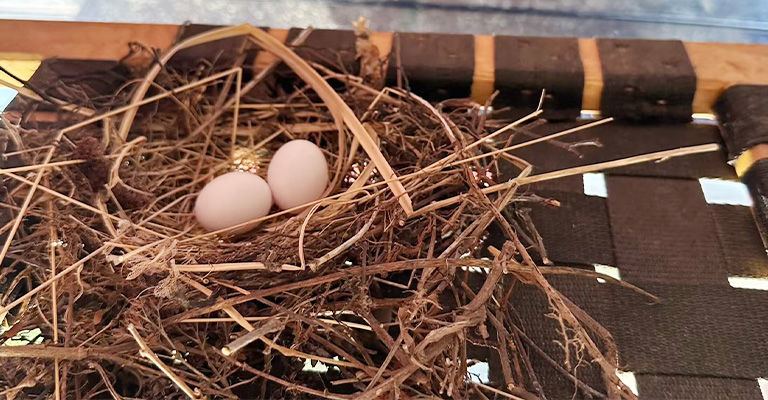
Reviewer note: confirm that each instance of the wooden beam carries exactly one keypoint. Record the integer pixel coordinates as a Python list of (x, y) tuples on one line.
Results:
[(717, 65), (485, 71), (265, 58), (593, 74), (382, 41), (81, 40), (720, 65)]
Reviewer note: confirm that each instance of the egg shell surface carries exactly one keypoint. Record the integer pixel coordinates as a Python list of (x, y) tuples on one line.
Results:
[(297, 174), (232, 199)]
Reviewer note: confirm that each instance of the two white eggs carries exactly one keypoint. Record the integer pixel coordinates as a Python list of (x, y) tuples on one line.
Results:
[(297, 175)]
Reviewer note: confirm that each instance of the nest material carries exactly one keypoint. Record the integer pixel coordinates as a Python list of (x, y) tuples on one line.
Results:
[(133, 299)]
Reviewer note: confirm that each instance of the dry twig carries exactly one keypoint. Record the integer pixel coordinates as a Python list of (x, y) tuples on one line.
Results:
[(101, 235)]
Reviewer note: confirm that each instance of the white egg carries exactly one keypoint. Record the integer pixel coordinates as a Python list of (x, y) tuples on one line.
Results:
[(232, 199), (298, 174)]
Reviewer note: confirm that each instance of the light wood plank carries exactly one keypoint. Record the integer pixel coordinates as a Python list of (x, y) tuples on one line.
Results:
[(485, 70), (382, 41), (593, 74), (720, 65), (81, 40)]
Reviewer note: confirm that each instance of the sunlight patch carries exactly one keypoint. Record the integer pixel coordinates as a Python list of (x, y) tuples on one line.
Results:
[(718, 191), (25, 337), (746, 282), (478, 372), (21, 68), (628, 378), (613, 272), (319, 367), (594, 185)]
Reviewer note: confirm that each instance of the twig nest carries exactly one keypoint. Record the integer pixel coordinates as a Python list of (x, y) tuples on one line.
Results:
[(232, 199), (297, 174)]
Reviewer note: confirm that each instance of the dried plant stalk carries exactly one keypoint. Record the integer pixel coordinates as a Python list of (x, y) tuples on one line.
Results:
[(105, 257), (341, 112), (148, 353)]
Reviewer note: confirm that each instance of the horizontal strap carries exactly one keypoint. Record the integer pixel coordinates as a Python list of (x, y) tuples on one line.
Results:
[(694, 330), (577, 232), (619, 140), (741, 243), (696, 387)]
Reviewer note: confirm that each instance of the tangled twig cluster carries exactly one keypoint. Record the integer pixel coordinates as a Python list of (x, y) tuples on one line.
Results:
[(390, 282)]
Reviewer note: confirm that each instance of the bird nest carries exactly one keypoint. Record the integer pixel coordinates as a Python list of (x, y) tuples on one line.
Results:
[(390, 285)]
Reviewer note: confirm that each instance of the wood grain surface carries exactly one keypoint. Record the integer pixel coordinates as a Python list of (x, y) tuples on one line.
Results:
[(717, 65), (720, 65), (81, 40)]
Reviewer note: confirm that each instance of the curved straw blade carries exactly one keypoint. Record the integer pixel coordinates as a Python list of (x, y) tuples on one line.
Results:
[(342, 114)]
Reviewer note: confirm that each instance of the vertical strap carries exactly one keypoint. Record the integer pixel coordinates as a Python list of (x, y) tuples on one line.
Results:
[(532, 306), (434, 66), (646, 79), (332, 48), (756, 179), (219, 52), (527, 65), (743, 114)]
